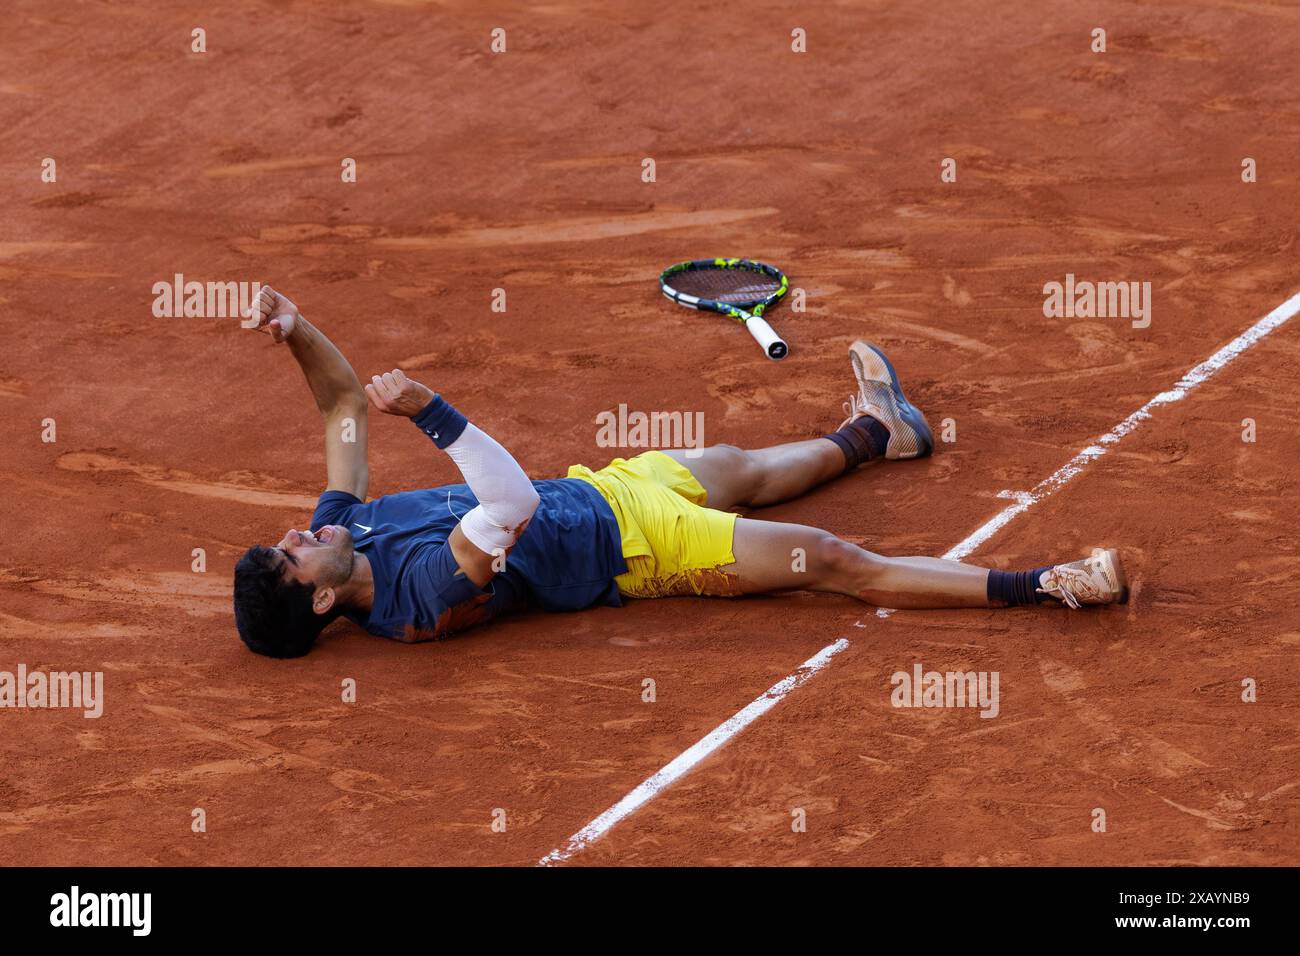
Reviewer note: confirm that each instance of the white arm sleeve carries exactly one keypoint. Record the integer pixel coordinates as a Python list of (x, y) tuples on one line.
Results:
[(507, 499)]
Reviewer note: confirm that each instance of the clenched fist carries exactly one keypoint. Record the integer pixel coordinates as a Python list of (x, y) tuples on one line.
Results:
[(395, 394), (271, 312)]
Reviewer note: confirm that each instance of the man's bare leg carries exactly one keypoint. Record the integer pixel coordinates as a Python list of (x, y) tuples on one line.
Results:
[(736, 477), (775, 556), (882, 423)]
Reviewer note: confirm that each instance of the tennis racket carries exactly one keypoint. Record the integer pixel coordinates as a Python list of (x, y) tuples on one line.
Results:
[(737, 288)]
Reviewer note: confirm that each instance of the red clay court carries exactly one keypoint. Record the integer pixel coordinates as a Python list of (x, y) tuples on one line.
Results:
[(522, 171)]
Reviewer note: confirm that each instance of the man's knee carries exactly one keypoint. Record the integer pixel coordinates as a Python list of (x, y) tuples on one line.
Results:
[(842, 562), (729, 454), (741, 469)]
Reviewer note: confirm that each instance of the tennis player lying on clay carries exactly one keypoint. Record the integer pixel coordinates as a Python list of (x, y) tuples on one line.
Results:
[(421, 564)]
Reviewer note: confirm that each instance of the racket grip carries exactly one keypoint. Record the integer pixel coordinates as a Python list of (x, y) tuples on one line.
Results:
[(764, 335)]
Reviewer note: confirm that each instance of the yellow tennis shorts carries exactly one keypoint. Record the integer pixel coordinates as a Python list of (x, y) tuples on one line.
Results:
[(673, 545)]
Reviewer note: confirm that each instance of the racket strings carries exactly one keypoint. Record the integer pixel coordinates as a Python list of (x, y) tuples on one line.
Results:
[(733, 286)]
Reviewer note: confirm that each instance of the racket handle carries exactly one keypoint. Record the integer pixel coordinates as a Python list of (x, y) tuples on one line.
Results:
[(764, 335)]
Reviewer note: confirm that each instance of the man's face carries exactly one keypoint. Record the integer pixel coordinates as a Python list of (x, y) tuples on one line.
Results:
[(323, 559)]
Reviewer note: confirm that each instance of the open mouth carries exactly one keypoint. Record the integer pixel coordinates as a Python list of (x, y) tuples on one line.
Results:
[(325, 535)]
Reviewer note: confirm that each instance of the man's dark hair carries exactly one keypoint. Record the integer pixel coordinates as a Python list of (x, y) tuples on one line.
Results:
[(273, 613)]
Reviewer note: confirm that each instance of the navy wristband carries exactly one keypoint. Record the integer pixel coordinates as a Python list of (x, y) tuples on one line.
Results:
[(440, 421)]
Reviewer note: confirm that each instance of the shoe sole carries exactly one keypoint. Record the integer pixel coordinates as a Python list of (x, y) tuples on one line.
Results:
[(921, 443), (1121, 578)]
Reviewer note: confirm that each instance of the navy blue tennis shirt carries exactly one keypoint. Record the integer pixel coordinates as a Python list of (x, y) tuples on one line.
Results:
[(566, 559)]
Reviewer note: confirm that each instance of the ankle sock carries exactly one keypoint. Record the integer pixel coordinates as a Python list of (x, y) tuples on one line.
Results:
[(861, 440), (1016, 588)]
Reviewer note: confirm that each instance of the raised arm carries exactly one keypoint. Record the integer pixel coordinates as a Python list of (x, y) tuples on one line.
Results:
[(507, 499), (333, 384)]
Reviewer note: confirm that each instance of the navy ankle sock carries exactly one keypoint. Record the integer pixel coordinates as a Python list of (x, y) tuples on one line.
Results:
[(861, 440), (1016, 588)]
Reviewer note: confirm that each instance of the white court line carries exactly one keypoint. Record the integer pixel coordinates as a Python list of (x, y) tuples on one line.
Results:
[(1072, 468), (1025, 500), (682, 765)]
